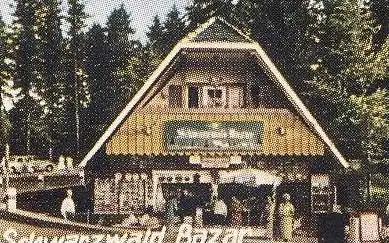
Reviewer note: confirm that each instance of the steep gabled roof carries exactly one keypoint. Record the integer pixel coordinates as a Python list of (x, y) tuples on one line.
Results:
[(218, 30), (199, 40)]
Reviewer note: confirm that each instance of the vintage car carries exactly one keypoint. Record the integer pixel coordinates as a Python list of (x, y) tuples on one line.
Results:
[(29, 164)]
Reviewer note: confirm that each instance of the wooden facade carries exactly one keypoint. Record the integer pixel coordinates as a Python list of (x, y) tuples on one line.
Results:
[(246, 94), (142, 132)]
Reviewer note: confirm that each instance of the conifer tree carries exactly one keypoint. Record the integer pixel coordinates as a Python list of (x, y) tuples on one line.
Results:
[(120, 50), (96, 64), (202, 10), (27, 117), (174, 29), (52, 72), (154, 35), (380, 9), (4, 84), (347, 72), (5, 65), (76, 86)]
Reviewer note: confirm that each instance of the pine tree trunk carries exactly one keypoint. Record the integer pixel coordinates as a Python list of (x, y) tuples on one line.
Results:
[(28, 142), (77, 127), (77, 111)]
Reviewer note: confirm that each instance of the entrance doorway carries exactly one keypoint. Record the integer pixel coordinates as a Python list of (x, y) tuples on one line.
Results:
[(252, 197), (189, 195)]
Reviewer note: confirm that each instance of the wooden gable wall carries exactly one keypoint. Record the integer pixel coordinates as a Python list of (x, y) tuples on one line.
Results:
[(142, 131)]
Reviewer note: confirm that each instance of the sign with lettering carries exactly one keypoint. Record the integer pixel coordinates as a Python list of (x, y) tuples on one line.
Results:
[(213, 136), (215, 162), (322, 196)]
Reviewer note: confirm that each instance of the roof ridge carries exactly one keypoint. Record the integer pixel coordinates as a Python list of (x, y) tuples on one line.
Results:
[(193, 34)]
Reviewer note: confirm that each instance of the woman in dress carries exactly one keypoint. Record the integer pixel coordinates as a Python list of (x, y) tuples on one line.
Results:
[(286, 215)]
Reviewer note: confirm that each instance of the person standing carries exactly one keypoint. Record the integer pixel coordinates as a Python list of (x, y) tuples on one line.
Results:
[(220, 212), (267, 216), (187, 205), (61, 163), (68, 208), (286, 214), (237, 210), (171, 209)]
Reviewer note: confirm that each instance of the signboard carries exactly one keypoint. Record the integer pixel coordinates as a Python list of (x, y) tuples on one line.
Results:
[(136, 192), (369, 227), (132, 196), (215, 162), (321, 193), (105, 196), (213, 136)]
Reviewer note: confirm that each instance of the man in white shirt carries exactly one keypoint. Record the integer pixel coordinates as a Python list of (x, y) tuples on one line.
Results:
[(61, 163), (68, 208), (220, 212)]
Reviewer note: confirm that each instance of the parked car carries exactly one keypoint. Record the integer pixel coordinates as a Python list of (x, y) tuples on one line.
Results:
[(38, 165), (29, 164), (19, 164)]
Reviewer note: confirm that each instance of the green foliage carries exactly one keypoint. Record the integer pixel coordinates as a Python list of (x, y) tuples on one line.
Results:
[(5, 125), (372, 112), (155, 49), (380, 9), (77, 88), (120, 49), (23, 46), (163, 37), (154, 35), (118, 37), (202, 10), (96, 64), (353, 66), (5, 67), (174, 29), (51, 69), (111, 63)]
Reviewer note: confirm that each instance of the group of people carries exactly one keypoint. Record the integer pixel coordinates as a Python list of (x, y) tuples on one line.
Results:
[(183, 206), (180, 206), (285, 214)]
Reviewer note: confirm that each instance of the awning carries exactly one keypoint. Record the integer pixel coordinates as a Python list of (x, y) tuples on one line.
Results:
[(250, 177)]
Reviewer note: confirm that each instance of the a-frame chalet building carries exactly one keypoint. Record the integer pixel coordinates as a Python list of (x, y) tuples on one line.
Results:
[(216, 119)]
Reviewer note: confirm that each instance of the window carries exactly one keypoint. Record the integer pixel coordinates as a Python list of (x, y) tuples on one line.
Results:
[(214, 96), (267, 96), (235, 97), (193, 97), (175, 96)]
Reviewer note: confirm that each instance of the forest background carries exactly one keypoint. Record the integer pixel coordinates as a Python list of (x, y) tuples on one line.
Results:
[(62, 83)]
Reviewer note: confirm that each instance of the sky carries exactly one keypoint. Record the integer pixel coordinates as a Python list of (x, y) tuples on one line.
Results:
[(142, 11)]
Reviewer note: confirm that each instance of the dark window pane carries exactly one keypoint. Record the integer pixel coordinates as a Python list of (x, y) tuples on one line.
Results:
[(218, 93), (175, 96), (193, 97), (210, 93)]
